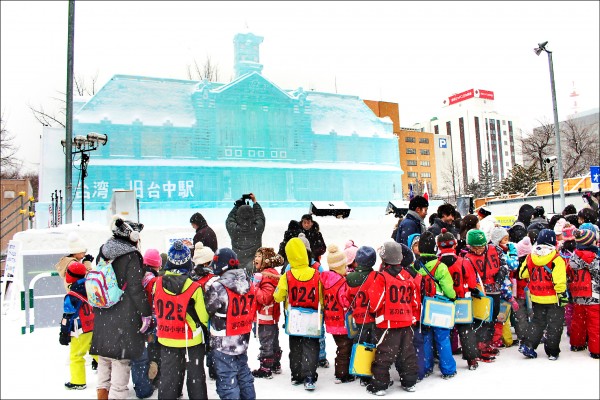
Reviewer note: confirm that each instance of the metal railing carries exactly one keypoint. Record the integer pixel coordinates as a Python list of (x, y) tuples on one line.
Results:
[(22, 213)]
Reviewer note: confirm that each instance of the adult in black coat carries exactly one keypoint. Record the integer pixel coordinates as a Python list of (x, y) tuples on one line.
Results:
[(293, 230), (519, 229), (117, 338), (444, 219), (204, 233), (311, 230)]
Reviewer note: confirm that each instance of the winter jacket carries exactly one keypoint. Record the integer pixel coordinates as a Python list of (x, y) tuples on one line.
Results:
[(315, 238), (268, 311), (206, 235), (358, 276), (63, 263), (293, 230), (196, 315), (217, 302), (74, 307), (328, 280), (444, 284), (463, 276), (412, 223), (116, 333), (540, 220), (558, 277), (301, 270), (498, 277), (150, 275), (580, 261), (246, 234), (438, 224), (378, 298)]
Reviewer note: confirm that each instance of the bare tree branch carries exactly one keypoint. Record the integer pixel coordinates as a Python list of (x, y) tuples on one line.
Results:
[(8, 150)]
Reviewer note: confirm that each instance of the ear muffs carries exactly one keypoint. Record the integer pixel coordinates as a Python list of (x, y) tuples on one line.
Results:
[(134, 235)]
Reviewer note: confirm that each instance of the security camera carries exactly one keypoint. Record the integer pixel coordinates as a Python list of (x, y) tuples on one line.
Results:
[(550, 160)]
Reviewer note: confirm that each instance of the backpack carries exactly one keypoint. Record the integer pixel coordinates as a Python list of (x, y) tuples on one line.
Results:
[(101, 285)]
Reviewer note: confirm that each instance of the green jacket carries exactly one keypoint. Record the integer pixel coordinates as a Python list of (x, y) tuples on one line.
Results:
[(446, 285)]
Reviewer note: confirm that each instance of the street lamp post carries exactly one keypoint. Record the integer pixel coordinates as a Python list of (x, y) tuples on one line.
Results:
[(538, 50), (84, 145)]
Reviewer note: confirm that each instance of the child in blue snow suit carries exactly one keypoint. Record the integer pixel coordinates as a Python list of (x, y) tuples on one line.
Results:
[(77, 324), (437, 281)]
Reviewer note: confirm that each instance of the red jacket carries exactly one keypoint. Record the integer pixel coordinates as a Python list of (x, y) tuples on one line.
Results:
[(268, 311), (393, 300), (463, 277)]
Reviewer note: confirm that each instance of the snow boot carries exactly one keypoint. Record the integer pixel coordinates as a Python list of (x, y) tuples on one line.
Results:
[(94, 365), (102, 394), (265, 369), (595, 355), (323, 363), (449, 376), (75, 386), (578, 348), (527, 351), (473, 364), (309, 384), (377, 388), (277, 363)]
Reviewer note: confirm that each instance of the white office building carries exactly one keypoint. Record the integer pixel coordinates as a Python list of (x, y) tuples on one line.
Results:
[(476, 133)]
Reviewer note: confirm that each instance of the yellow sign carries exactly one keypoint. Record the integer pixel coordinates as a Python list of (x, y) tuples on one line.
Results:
[(506, 220)]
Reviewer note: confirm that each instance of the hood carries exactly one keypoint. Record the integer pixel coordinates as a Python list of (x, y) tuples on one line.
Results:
[(540, 258), (587, 256), (449, 259), (525, 214), (245, 216), (296, 253), (329, 278), (235, 280), (294, 226), (174, 282), (116, 247)]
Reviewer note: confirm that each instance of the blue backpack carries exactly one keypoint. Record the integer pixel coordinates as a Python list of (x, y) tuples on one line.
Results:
[(101, 285)]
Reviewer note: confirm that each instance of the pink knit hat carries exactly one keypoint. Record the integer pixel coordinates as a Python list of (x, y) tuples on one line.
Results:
[(350, 251), (524, 247), (568, 232), (152, 258)]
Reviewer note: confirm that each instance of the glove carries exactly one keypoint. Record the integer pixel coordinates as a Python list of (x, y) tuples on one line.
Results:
[(452, 299), (563, 299), (257, 278), (146, 323), (88, 257), (514, 304), (476, 293), (64, 338)]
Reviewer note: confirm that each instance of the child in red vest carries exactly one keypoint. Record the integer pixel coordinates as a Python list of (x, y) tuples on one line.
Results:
[(334, 288), (392, 300), (265, 281), (151, 266), (584, 284), (77, 324)]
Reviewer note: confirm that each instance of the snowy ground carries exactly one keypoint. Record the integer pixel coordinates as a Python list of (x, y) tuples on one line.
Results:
[(36, 365)]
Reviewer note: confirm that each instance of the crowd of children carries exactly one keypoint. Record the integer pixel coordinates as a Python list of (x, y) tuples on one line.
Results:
[(206, 307)]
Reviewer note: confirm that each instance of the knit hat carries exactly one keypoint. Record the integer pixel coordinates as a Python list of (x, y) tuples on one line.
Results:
[(475, 237), (223, 260), (498, 233), (336, 259), (547, 237), (202, 254), (418, 202), (427, 243), (126, 229), (568, 232), (539, 212), (391, 253), (524, 247), (152, 258), (408, 257), (179, 254), (366, 256), (589, 226), (302, 237), (350, 251), (245, 213), (445, 240), (584, 238), (412, 239), (75, 272), (559, 226), (270, 258), (482, 212), (76, 244)]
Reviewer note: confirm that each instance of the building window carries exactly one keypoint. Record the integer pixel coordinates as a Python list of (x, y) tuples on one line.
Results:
[(424, 152), (411, 151), (261, 153), (251, 153), (423, 140), (238, 153), (283, 154), (448, 128), (274, 154), (436, 129), (503, 122), (413, 175), (411, 163), (228, 152), (425, 164), (425, 174), (409, 139)]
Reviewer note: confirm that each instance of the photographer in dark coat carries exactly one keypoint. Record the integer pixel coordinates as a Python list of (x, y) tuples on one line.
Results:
[(119, 330), (245, 226), (204, 233)]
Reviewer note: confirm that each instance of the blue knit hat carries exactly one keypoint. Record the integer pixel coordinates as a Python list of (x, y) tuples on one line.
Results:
[(547, 237), (408, 257), (365, 256), (178, 256), (223, 260)]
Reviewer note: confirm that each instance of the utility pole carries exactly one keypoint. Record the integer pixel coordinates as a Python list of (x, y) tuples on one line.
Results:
[(69, 124)]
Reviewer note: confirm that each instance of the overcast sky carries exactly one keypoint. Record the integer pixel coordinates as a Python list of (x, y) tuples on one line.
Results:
[(415, 54)]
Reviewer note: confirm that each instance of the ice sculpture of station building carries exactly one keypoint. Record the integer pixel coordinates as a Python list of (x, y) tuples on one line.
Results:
[(191, 144)]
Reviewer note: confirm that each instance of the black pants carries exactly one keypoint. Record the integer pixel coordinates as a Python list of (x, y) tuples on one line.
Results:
[(304, 357), (468, 341), (342, 355), (174, 368), (485, 330), (549, 317), (268, 337), (397, 347)]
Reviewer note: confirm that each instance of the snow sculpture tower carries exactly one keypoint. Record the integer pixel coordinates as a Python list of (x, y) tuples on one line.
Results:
[(246, 54)]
